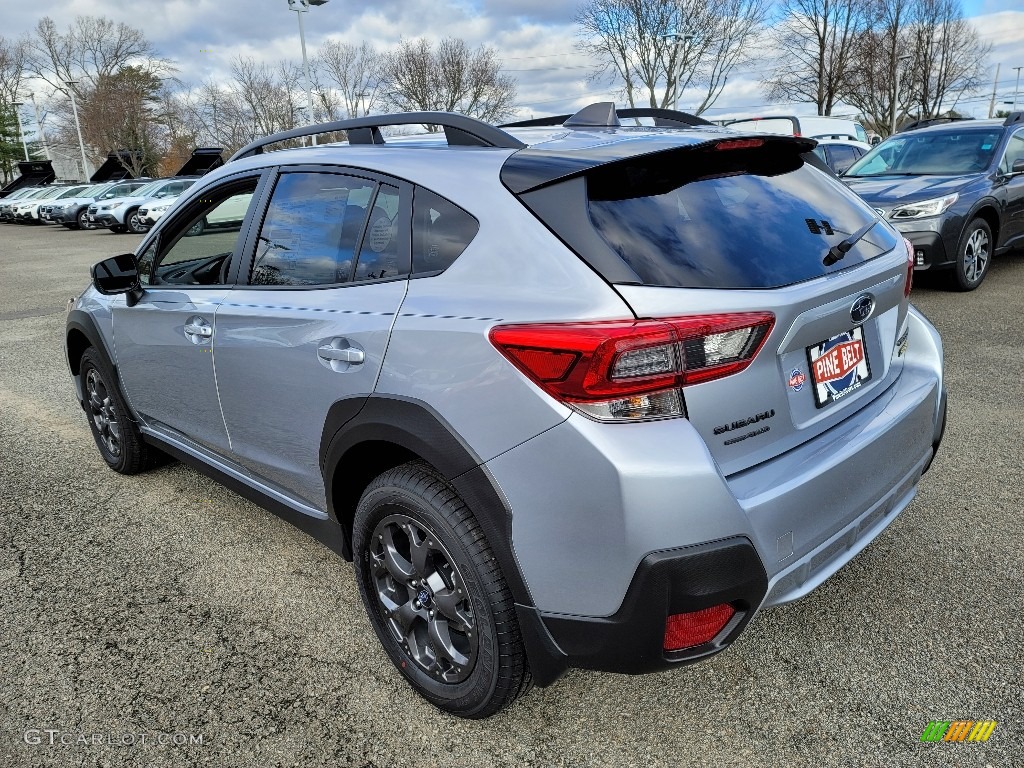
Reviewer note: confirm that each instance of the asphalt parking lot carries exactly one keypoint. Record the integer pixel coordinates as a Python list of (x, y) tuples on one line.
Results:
[(165, 605)]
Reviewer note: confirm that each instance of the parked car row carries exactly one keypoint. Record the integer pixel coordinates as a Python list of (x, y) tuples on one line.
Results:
[(120, 206)]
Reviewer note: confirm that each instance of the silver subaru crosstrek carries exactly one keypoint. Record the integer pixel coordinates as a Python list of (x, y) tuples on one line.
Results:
[(568, 393)]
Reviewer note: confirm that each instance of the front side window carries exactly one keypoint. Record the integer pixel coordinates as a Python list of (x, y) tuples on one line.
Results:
[(204, 239), (1014, 152)]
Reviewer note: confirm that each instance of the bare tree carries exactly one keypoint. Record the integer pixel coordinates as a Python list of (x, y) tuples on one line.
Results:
[(90, 58), (347, 79), (451, 78), (12, 67), (882, 88), (815, 40), (657, 49), (949, 56), (258, 99)]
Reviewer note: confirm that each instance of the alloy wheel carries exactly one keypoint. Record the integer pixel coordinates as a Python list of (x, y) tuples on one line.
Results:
[(976, 255), (102, 413), (423, 598)]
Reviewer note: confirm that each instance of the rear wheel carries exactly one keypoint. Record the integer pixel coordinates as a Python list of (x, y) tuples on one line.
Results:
[(435, 595), (973, 256), (117, 436)]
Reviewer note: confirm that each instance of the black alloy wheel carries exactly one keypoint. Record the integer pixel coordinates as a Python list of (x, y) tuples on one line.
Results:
[(116, 434), (436, 598)]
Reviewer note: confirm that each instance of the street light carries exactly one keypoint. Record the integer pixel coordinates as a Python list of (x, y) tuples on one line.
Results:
[(39, 127), (686, 37), (1016, 88), (78, 127), (896, 89), (301, 7), (17, 113)]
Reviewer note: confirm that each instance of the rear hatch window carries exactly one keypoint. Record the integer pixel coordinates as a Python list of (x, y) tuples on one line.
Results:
[(757, 217)]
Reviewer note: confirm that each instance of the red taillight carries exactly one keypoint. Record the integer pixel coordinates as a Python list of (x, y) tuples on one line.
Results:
[(910, 267), (739, 144), (624, 370), (687, 630)]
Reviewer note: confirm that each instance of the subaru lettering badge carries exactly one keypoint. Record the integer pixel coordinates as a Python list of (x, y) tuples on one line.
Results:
[(862, 308)]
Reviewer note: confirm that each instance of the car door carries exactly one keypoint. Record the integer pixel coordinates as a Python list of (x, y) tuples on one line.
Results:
[(165, 341), (1013, 221), (309, 322)]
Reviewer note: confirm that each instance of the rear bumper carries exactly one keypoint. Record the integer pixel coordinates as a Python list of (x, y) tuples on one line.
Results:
[(667, 582), (640, 524)]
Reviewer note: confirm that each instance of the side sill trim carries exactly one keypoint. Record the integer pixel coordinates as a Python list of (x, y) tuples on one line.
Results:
[(311, 521)]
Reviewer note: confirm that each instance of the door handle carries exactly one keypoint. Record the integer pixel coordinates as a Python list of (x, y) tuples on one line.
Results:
[(197, 329), (341, 355)]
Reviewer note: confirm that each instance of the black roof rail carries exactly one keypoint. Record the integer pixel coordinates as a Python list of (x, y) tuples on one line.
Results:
[(927, 121), (1014, 118), (589, 116), (460, 130)]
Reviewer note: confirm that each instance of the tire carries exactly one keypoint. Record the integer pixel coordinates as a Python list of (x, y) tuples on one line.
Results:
[(196, 229), (463, 600), (135, 225), (973, 256), (83, 220), (116, 434)]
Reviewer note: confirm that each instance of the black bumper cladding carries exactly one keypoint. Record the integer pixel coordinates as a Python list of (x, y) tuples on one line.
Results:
[(666, 583)]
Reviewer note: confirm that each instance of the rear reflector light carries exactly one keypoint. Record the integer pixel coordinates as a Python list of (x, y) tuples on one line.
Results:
[(739, 144), (625, 370), (910, 267), (688, 630)]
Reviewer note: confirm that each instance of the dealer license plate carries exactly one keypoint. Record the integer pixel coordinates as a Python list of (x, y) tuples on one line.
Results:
[(839, 366)]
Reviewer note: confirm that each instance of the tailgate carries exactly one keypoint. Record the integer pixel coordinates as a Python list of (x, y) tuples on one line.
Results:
[(822, 361)]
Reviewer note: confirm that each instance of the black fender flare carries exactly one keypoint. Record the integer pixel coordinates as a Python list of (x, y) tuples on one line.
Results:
[(85, 324), (414, 426)]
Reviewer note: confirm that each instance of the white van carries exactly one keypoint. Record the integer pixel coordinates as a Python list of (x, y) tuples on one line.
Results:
[(812, 126)]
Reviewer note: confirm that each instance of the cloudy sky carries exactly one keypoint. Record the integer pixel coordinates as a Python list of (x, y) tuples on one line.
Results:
[(534, 39)]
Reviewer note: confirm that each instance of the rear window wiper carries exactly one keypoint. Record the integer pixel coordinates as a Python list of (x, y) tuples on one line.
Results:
[(840, 249)]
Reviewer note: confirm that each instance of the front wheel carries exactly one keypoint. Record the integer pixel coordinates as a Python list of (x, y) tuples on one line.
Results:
[(117, 436), (435, 595), (83, 220), (973, 256), (135, 225)]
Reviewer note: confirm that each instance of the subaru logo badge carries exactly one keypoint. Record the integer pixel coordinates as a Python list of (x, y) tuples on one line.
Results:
[(862, 308)]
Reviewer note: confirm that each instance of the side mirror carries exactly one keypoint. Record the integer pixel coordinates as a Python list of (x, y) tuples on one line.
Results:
[(1018, 166), (118, 274)]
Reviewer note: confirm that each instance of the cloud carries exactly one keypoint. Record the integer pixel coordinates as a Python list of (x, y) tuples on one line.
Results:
[(535, 40)]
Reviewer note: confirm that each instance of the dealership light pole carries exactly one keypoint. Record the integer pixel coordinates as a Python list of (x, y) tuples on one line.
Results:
[(21, 132), (39, 127), (78, 127), (677, 37), (301, 7), (1016, 88), (896, 88)]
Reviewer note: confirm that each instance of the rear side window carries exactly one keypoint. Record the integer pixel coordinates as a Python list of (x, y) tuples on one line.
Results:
[(441, 232), (742, 218)]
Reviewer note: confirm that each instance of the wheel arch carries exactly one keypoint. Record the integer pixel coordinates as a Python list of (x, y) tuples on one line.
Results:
[(367, 435), (987, 211)]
